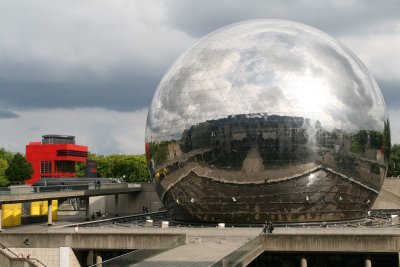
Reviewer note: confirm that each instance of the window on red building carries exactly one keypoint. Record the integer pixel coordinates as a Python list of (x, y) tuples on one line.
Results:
[(65, 166), (45, 167)]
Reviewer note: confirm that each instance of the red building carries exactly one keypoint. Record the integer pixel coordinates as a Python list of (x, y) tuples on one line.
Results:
[(55, 156)]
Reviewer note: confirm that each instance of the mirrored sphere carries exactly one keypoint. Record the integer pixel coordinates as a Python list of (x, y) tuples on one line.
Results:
[(267, 120)]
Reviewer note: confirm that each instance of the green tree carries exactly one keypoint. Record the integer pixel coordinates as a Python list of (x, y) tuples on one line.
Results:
[(386, 140), (80, 169), (358, 142), (394, 161), (7, 155), (132, 167), (19, 170), (3, 167)]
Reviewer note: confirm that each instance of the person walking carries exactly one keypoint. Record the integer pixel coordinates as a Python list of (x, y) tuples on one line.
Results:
[(264, 229), (270, 227)]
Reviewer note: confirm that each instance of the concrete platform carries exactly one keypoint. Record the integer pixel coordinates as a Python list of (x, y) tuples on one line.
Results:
[(206, 246), (67, 192)]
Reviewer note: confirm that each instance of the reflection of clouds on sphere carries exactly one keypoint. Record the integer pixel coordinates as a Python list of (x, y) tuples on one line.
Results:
[(269, 66), (267, 101)]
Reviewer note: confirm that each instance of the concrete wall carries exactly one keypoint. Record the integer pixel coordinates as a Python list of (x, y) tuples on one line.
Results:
[(63, 257), (10, 261), (68, 258), (389, 196), (49, 256), (129, 203), (95, 241), (97, 204), (134, 202), (332, 243)]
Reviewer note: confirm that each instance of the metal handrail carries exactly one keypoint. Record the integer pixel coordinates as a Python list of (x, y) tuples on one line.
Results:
[(235, 257), (114, 219), (61, 187), (137, 255), (16, 256)]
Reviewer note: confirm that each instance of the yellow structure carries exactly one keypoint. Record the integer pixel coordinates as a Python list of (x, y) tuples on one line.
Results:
[(41, 208), (36, 207), (54, 209), (11, 214), (17, 212)]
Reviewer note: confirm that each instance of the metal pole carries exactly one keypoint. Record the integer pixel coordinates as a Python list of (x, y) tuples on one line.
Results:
[(49, 212), (87, 209), (116, 205), (1, 217)]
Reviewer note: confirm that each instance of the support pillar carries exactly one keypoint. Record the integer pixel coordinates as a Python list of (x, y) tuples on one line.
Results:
[(399, 259), (303, 262), (89, 260), (1, 217), (99, 259), (367, 262), (116, 205), (49, 212), (87, 212)]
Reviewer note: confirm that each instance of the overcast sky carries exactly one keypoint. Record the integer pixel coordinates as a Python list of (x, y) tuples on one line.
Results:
[(90, 68)]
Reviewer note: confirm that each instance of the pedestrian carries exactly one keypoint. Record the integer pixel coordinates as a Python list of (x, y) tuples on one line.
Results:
[(76, 229), (95, 184), (98, 184), (270, 227), (264, 229)]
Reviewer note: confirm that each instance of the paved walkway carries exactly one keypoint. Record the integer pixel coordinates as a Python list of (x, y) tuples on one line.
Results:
[(192, 254)]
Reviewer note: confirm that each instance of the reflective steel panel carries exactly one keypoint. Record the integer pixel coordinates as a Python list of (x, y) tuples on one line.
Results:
[(267, 119)]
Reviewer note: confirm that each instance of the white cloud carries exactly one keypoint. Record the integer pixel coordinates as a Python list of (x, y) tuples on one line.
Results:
[(394, 117), (378, 50), (57, 41)]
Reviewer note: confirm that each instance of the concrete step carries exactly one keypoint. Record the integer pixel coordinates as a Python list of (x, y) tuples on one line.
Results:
[(192, 254)]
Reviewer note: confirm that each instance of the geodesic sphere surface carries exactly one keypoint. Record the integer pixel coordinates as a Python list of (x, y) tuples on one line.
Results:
[(267, 119)]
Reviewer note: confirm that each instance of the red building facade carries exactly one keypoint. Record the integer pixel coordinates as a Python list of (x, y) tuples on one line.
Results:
[(55, 156)]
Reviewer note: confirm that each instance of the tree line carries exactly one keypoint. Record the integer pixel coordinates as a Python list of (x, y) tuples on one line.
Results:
[(15, 169), (133, 168)]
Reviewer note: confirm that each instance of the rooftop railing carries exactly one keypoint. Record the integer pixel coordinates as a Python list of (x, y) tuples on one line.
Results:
[(28, 189)]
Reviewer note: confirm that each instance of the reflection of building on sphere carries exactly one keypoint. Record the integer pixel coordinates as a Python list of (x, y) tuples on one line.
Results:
[(267, 118)]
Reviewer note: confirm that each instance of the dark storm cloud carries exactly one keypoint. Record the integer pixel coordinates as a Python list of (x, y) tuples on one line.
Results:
[(335, 17), (121, 93), (391, 93), (5, 114), (77, 54), (65, 60)]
